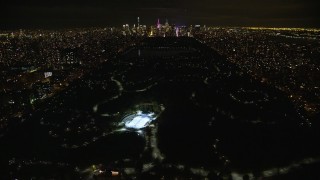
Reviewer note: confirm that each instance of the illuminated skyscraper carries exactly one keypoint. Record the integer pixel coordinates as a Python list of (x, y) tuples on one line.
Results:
[(138, 22), (158, 24), (177, 31)]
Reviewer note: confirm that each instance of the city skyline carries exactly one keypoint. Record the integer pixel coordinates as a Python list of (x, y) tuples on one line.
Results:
[(68, 14)]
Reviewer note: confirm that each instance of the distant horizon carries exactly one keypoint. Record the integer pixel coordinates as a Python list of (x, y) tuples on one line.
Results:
[(148, 25), (57, 14)]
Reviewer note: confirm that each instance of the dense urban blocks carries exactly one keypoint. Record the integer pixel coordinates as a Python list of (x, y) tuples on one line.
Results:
[(133, 106)]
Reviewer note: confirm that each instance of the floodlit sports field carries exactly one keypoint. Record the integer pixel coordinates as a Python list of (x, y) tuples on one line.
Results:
[(138, 120)]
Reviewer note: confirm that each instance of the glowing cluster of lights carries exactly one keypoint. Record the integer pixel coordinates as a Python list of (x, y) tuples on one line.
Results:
[(284, 29), (138, 120)]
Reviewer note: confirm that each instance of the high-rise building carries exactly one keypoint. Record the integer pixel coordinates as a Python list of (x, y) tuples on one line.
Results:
[(177, 31), (167, 23), (158, 24)]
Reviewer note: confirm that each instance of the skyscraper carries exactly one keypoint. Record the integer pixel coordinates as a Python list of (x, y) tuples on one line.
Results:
[(158, 24), (177, 31)]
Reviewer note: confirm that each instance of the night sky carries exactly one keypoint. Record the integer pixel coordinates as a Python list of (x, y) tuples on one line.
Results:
[(84, 13)]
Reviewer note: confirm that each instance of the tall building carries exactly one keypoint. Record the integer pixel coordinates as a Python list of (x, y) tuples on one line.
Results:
[(167, 23), (158, 24), (177, 31), (167, 26)]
